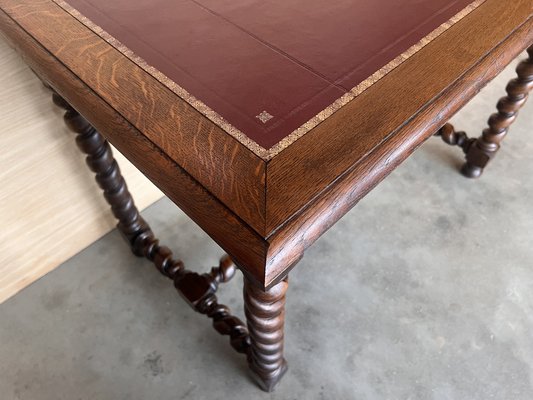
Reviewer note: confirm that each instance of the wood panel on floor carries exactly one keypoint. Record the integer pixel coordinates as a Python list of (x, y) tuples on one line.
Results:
[(50, 206)]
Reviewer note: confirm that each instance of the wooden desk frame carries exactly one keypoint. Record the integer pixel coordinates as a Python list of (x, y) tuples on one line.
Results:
[(279, 204)]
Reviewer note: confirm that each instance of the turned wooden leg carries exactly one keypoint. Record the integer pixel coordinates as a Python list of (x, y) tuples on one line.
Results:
[(486, 147), (197, 290), (107, 173), (480, 151), (265, 314)]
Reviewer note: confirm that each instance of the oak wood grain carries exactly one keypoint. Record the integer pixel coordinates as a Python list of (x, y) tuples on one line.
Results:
[(218, 161), (299, 173), (312, 183), (238, 239), (288, 244)]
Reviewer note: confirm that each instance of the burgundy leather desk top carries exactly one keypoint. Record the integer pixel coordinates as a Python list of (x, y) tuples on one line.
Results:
[(268, 71)]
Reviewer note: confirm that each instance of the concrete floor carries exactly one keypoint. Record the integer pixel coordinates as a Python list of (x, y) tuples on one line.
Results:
[(423, 291)]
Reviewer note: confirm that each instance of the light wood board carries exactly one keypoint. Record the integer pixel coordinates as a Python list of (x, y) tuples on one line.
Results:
[(50, 205)]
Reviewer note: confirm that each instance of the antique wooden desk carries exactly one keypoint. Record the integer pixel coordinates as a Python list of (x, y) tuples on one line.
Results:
[(265, 121)]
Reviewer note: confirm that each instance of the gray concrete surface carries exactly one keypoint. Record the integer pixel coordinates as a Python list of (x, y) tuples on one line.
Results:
[(423, 291)]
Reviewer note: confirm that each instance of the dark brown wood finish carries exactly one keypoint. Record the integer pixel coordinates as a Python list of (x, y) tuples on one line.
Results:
[(265, 310), (288, 244), (485, 148), (107, 173), (455, 138), (263, 212), (481, 150), (197, 290), (304, 170), (192, 141), (265, 314), (265, 253), (246, 247)]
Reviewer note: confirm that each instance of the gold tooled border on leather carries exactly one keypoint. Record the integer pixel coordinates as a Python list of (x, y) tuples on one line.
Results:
[(302, 130)]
